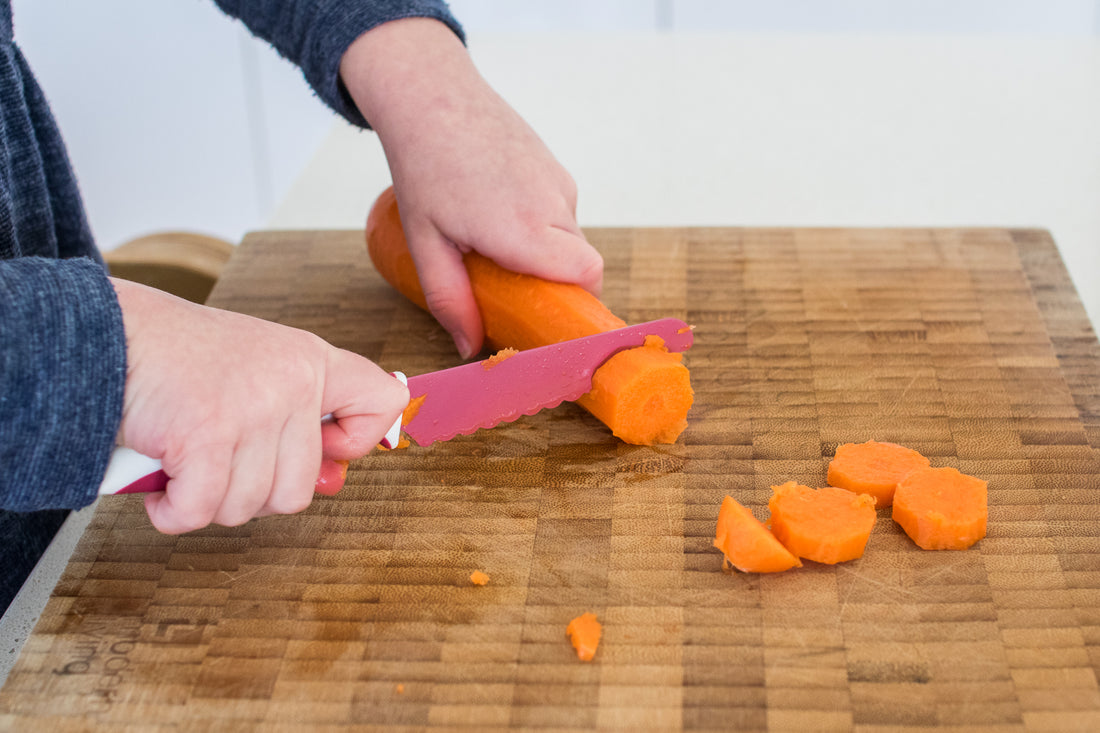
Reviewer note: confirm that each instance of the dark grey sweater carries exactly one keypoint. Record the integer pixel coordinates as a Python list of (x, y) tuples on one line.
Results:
[(62, 346)]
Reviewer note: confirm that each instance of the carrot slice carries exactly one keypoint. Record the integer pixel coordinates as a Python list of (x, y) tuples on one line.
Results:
[(873, 468), (942, 509), (642, 394), (828, 525), (584, 634), (479, 578), (746, 542)]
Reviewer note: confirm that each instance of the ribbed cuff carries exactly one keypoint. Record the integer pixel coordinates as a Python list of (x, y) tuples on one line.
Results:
[(338, 23), (63, 375)]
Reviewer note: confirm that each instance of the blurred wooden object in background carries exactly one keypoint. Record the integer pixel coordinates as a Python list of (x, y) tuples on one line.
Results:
[(184, 264)]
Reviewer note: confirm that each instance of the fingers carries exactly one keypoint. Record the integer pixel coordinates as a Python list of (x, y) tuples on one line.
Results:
[(276, 471), (553, 253), (298, 462), (364, 400), (194, 493), (447, 288), (250, 482), (563, 255)]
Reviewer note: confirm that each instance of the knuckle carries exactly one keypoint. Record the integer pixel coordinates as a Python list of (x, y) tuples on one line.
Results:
[(396, 398), (592, 270), (234, 517), (441, 300), (297, 502)]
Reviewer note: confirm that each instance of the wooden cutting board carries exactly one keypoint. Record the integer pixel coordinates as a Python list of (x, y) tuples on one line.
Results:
[(967, 345)]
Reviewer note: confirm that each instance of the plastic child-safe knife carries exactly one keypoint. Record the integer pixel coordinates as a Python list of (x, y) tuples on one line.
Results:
[(463, 399)]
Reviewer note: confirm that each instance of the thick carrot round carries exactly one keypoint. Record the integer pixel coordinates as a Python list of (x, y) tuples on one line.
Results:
[(584, 634), (828, 525), (873, 468), (642, 394), (746, 542), (942, 509)]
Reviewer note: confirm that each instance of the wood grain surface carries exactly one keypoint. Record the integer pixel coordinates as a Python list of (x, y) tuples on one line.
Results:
[(967, 345)]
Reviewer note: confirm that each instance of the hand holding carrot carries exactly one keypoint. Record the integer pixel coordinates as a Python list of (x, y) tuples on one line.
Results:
[(469, 173), (232, 407)]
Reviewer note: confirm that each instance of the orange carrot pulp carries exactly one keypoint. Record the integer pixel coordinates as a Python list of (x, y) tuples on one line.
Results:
[(873, 468), (941, 508), (746, 542), (828, 525), (584, 634)]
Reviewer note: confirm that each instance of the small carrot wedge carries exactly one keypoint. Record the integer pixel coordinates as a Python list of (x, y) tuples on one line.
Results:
[(828, 525), (584, 634), (479, 578), (873, 468), (941, 508), (746, 542)]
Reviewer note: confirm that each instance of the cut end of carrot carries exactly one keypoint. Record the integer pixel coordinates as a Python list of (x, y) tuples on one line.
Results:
[(479, 578), (873, 468), (584, 634), (941, 508), (746, 543), (828, 525), (643, 394)]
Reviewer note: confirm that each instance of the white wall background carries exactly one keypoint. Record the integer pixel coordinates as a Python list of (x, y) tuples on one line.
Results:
[(177, 119)]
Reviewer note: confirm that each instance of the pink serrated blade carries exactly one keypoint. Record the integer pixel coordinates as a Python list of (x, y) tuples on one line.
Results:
[(463, 399)]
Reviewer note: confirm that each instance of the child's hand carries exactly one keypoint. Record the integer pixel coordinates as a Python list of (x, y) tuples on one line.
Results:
[(232, 407), (468, 172)]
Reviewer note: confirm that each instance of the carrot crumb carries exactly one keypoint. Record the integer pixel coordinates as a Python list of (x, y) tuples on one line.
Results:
[(411, 409), (584, 634), (498, 357), (479, 578), (399, 689)]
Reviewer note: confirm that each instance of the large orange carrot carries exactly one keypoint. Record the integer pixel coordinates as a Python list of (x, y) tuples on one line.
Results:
[(642, 394), (828, 525), (942, 509), (873, 468), (747, 543)]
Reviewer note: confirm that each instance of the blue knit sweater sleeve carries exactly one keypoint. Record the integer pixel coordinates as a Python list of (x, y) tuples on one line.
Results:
[(315, 33), (63, 371)]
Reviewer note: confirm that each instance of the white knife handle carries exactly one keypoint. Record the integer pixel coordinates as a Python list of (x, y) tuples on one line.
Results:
[(130, 472), (393, 435)]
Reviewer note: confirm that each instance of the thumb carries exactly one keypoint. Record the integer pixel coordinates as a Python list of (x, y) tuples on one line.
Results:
[(364, 402), (447, 288)]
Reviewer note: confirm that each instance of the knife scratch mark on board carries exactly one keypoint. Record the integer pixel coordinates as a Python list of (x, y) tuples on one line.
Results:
[(231, 578)]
